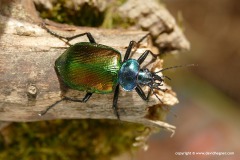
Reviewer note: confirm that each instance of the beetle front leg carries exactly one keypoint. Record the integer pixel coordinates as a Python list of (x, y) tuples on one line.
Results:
[(140, 92)]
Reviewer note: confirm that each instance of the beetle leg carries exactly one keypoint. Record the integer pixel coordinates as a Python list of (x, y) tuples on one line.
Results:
[(49, 107), (128, 51), (89, 35), (130, 46), (142, 94), (115, 99), (144, 56), (143, 38), (84, 100), (158, 97)]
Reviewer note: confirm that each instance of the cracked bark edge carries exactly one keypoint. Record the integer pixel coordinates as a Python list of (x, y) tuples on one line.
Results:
[(155, 18)]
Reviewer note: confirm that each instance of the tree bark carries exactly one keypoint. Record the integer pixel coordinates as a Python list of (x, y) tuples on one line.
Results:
[(29, 83)]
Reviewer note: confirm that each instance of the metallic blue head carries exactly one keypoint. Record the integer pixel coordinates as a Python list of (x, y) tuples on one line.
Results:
[(150, 79), (130, 75)]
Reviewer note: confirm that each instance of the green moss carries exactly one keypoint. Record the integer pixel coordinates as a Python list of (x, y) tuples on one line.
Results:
[(67, 139), (86, 15), (65, 12)]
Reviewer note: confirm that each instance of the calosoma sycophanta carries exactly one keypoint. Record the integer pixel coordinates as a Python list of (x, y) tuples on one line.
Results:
[(97, 68)]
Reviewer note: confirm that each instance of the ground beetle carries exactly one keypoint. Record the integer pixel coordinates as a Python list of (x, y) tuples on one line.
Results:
[(96, 68)]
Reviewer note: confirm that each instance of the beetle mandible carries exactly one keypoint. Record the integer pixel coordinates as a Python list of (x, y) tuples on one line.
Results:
[(80, 68)]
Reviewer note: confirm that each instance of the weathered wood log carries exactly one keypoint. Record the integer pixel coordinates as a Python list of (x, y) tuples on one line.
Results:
[(29, 83)]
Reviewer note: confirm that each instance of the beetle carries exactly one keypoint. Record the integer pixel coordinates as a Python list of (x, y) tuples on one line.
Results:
[(97, 68)]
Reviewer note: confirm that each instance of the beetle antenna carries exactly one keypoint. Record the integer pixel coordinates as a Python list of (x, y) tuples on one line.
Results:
[(164, 69)]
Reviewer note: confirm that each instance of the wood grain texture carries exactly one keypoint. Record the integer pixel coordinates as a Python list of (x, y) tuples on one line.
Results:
[(29, 83)]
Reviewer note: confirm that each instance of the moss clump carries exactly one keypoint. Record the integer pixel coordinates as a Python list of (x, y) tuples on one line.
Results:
[(67, 139), (63, 11), (85, 14)]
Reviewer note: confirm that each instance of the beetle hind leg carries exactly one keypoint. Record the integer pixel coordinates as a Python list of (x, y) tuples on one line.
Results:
[(84, 100), (140, 92), (49, 107)]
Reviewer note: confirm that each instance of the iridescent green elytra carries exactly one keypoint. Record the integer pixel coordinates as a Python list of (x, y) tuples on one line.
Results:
[(89, 67)]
